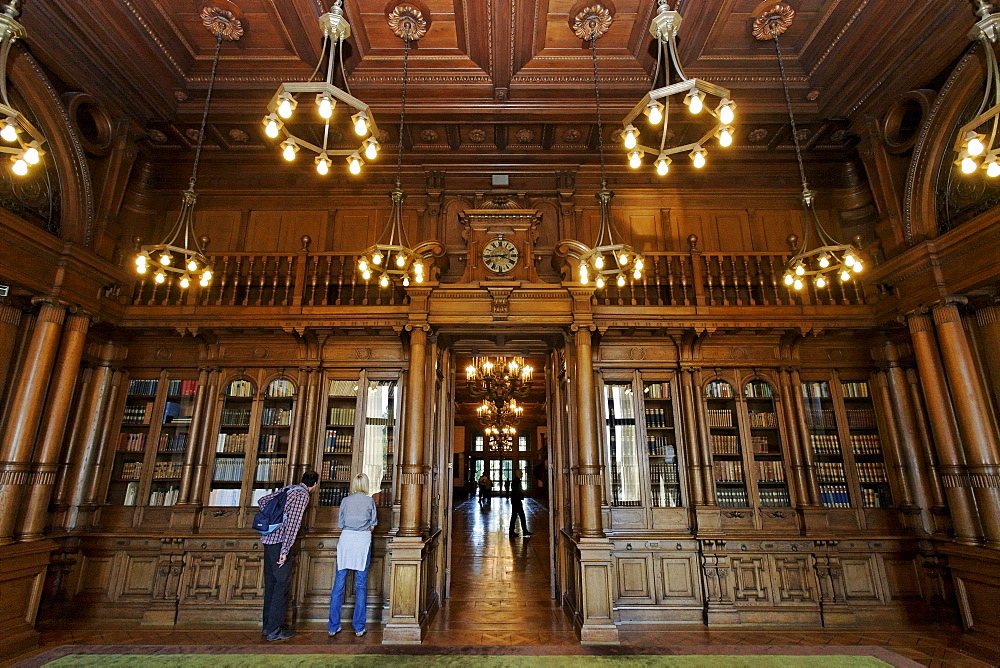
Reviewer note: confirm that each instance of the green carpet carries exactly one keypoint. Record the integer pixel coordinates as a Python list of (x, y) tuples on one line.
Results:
[(380, 661)]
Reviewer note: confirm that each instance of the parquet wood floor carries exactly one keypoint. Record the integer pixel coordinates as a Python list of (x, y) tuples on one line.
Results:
[(501, 597)]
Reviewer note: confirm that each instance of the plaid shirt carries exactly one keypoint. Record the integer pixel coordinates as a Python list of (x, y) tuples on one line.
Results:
[(295, 506)]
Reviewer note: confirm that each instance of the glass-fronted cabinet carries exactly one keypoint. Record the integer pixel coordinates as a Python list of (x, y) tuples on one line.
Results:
[(762, 420), (134, 434), (338, 440), (661, 444), (726, 445), (866, 444), (824, 439), (231, 451), (378, 449), (173, 441), (273, 438), (621, 438)]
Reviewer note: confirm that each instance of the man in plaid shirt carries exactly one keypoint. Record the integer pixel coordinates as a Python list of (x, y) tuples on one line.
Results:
[(278, 575)]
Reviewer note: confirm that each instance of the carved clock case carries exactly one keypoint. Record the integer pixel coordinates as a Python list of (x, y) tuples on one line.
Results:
[(500, 237)]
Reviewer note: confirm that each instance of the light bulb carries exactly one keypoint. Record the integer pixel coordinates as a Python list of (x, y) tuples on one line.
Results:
[(203, 283), (289, 152), (725, 138), (993, 169), (623, 259), (285, 108), (192, 265), (360, 124), (371, 150), (637, 274), (694, 102), (206, 275), (849, 260), (354, 164), (9, 132), (968, 165), (820, 282), (406, 281), (20, 167), (800, 269), (325, 106), (419, 278), (845, 275), (323, 165), (271, 129), (159, 277), (185, 281), (662, 166), (140, 260), (655, 115), (365, 274), (726, 112), (635, 160), (788, 279), (857, 267), (630, 138), (400, 260), (363, 265), (824, 261), (699, 158), (140, 268), (638, 263), (599, 282), (584, 278), (599, 261), (31, 155), (975, 146), (798, 284), (165, 259), (418, 267), (377, 258), (384, 281), (621, 280)]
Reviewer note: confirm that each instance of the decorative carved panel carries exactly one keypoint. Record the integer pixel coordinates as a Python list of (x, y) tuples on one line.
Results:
[(860, 580), (678, 579), (794, 579), (138, 574), (246, 583), (751, 579), (205, 575), (634, 577), (902, 579)]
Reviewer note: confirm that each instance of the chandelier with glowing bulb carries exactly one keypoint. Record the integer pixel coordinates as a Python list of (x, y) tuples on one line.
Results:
[(15, 128), (286, 100), (608, 259), (182, 253), (829, 259), (655, 105), (498, 380), (391, 258), (976, 143)]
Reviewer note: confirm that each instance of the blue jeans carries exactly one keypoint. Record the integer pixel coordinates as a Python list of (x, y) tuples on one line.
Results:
[(360, 597)]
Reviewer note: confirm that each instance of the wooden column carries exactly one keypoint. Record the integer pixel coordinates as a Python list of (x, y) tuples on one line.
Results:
[(99, 462), (975, 419), (801, 491), (926, 444), (810, 463), (45, 461), (692, 436), (588, 472), (951, 456), (414, 472), (198, 444), (10, 318), (26, 404), (988, 319), (703, 444), (199, 471), (898, 446)]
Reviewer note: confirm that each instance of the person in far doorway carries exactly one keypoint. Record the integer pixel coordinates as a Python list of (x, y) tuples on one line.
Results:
[(517, 504), (485, 489), (357, 520)]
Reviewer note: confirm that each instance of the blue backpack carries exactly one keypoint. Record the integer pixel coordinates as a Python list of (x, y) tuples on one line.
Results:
[(272, 515)]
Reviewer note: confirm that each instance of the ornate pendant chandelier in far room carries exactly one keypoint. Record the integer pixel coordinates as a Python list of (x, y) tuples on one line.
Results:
[(499, 379), (606, 259), (188, 259), (283, 105), (829, 258), (391, 258), (500, 423), (15, 128), (978, 149), (656, 103)]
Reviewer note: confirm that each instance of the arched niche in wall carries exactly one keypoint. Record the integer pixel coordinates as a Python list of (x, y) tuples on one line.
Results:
[(64, 152)]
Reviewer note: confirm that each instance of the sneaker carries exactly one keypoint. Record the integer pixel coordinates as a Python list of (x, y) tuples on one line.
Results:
[(281, 634), (333, 633), (361, 632), (513, 534), (528, 533)]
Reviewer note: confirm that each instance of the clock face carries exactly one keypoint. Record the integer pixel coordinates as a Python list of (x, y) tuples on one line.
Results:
[(500, 255)]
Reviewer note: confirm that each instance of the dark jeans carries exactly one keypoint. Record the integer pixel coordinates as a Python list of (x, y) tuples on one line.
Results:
[(517, 510), (276, 581)]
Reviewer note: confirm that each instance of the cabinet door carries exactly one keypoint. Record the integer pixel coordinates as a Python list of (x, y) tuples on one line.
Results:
[(866, 444), (661, 444), (766, 459), (134, 436), (173, 440), (621, 439), (726, 444), (379, 439), (824, 439), (343, 396), (232, 444)]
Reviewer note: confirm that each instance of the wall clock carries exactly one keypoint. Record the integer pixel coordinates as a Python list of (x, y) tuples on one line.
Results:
[(500, 255)]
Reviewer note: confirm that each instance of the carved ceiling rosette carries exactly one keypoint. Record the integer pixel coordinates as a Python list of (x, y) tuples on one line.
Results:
[(222, 23), (591, 22), (408, 22), (772, 21)]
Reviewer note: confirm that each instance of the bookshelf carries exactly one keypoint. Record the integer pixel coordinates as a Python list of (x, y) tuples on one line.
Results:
[(378, 449), (765, 445), (338, 440), (824, 439), (661, 444), (231, 444), (866, 444), (172, 441), (726, 445), (133, 440), (621, 437), (273, 438)]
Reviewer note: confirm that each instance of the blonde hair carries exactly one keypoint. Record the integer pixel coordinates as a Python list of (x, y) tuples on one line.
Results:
[(360, 484)]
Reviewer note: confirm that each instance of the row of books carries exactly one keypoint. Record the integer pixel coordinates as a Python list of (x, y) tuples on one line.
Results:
[(228, 469), (281, 389), (272, 469), (732, 498), (719, 418), (164, 497), (340, 415), (167, 470), (664, 473), (823, 419), (728, 471), (138, 413), (861, 418), (830, 472), (657, 390), (873, 498), (854, 389), (182, 388), (335, 471), (825, 444), (240, 388), (718, 389), (762, 420), (661, 446), (770, 471), (235, 417), (871, 472), (271, 443), (816, 390), (834, 496), (173, 442), (343, 388), (142, 386), (131, 494), (232, 443), (666, 495), (761, 445), (866, 444), (774, 497), (131, 470), (276, 417), (132, 442), (332, 496), (338, 442), (224, 497), (758, 389), (658, 417), (725, 444)]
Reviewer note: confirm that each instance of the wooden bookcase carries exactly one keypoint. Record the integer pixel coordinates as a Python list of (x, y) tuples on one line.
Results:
[(232, 444), (866, 444), (726, 445), (137, 431), (661, 444), (622, 444), (766, 451)]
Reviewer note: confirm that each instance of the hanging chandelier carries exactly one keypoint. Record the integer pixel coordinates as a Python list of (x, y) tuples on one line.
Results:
[(15, 128), (498, 380), (655, 105), (391, 257), (188, 259), (829, 258), (974, 150), (500, 422), (606, 259), (282, 106)]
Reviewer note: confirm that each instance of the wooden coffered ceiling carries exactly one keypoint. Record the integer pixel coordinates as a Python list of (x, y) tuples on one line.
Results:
[(500, 75)]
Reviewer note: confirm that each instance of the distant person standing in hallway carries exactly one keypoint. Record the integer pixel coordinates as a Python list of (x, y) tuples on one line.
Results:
[(357, 521), (517, 504), (485, 489)]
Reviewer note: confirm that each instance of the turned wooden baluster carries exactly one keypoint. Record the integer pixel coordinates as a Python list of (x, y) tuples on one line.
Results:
[(748, 277), (659, 283), (722, 280), (354, 288), (288, 279), (263, 281), (222, 280), (312, 279), (774, 281), (166, 291), (137, 289), (736, 281), (340, 278), (682, 261), (645, 285), (760, 278)]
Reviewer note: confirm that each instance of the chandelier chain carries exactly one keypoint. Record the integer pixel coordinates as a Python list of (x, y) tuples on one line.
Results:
[(402, 112), (204, 113), (7, 44), (791, 116), (597, 97)]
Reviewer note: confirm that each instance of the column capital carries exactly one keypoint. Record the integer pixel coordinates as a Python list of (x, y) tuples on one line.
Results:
[(947, 311), (50, 312), (988, 315), (9, 314), (77, 322), (919, 321)]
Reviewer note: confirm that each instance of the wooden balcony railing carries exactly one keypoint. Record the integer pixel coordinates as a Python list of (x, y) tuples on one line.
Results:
[(305, 279)]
